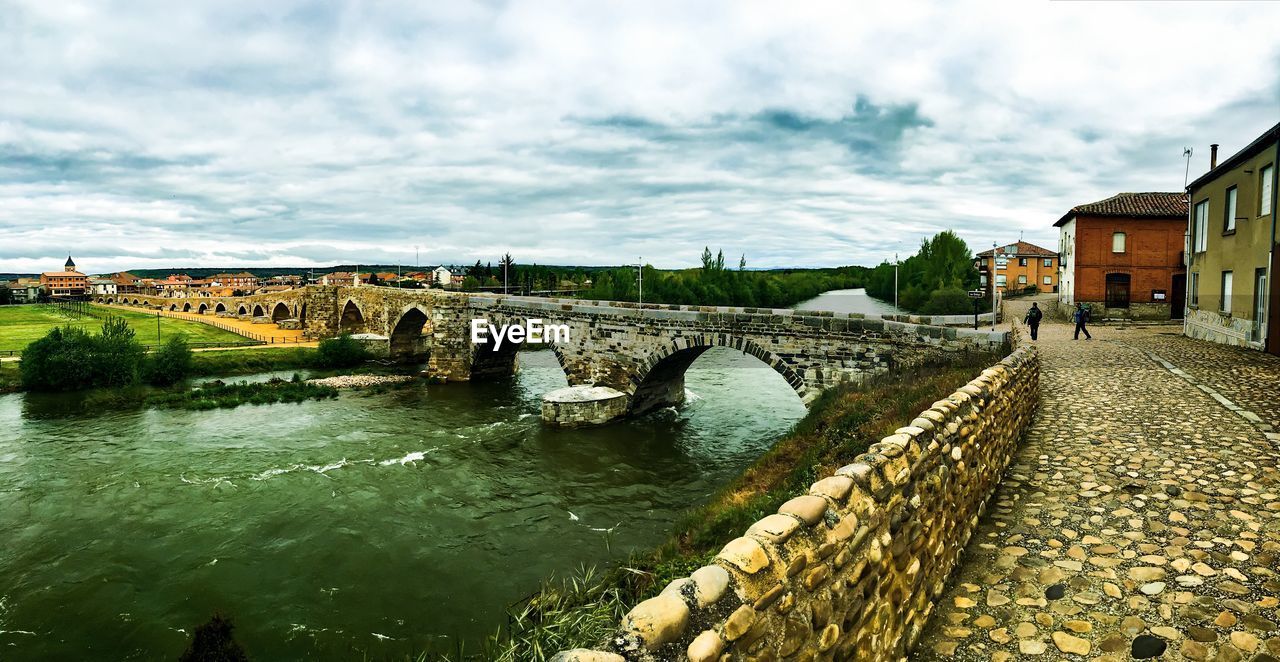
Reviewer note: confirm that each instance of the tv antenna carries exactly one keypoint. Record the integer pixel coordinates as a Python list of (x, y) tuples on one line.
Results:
[(1186, 154)]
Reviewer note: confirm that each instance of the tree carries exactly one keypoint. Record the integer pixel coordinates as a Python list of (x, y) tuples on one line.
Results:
[(742, 262), (6, 295), (708, 263), (171, 363)]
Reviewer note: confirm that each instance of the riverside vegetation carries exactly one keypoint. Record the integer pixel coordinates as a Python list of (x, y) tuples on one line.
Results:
[(934, 281), (585, 609), (70, 358)]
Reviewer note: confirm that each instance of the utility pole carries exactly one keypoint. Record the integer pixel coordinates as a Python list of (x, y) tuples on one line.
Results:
[(504, 276), (157, 328), (994, 265), (895, 282), (640, 269)]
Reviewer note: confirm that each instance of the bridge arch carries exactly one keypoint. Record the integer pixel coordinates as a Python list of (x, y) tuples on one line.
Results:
[(173, 307), (220, 308), (258, 311), (352, 318), (110, 300), (203, 307), (280, 312), (186, 307), (661, 382), (406, 334), (242, 310)]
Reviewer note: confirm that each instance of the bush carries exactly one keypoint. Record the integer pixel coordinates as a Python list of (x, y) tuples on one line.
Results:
[(948, 301), (171, 363), (341, 352), (70, 358)]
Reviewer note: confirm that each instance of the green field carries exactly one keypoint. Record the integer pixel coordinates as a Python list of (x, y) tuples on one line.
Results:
[(20, 325)]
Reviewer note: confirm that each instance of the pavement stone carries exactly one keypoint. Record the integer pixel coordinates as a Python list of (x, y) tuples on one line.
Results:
[(1141, 517)]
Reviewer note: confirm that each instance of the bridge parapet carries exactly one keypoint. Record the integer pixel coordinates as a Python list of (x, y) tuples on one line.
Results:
[(641, 351)]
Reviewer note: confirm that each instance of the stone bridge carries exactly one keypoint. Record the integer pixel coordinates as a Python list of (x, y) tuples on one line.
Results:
[(620, 358)]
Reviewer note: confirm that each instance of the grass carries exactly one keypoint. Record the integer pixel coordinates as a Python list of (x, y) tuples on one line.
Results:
[(21, 325), (583, 610), (10, 379), (217, 395), (249, 361)]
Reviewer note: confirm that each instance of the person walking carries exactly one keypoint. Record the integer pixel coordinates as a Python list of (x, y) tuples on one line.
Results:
[(1081, 318), (1033, 320)]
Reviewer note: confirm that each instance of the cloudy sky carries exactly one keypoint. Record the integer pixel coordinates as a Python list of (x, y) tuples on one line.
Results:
[(250, 133)]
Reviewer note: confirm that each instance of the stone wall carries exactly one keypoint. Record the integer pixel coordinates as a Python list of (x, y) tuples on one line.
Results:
[(851, 569), (1219, 328)]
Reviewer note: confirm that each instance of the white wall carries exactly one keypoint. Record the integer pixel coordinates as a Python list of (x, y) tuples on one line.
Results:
[(1067, 263)]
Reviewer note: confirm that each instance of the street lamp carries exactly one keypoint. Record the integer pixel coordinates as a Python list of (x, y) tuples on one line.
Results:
[(995, 264)]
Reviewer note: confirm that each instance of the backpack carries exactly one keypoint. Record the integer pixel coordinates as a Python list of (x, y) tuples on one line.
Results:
[(1034, 315)]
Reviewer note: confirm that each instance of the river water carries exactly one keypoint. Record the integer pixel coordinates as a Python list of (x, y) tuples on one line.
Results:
[(375, 524), (848, 301), (380, 523)]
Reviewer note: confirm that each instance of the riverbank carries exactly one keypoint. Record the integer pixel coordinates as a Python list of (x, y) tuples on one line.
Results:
[(582, 610)]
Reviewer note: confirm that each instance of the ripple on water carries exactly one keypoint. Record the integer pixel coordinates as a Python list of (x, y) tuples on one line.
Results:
[(394, 514)]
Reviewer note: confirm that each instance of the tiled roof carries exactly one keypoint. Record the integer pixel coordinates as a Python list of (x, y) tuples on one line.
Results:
[(1134, 205), (1022, 248), (75, 274)]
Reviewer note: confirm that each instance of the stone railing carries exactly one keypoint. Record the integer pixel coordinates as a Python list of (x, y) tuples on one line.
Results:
[(850, 570)]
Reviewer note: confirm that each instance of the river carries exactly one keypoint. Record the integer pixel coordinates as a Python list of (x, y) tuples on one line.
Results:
[(377, 524), (848, 301)]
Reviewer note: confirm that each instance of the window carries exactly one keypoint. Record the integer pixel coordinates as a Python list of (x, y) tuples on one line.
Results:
[(1022, 261), (1022, 280), (1048, 262), (1117, 290), (982, 280), (1229, 221), (1226, 292), (1048, 280), (1117, 242), (1201, 221), (1195, 288), (1264, 205), (1001, 279)]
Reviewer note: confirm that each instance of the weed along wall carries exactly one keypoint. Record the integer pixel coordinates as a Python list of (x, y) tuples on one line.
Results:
[(850, 570)]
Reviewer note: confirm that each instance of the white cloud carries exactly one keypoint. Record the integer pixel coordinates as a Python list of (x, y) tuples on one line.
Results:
[(237, 133)]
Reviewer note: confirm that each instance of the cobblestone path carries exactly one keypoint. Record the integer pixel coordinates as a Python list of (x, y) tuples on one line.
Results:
[(1139, 520)]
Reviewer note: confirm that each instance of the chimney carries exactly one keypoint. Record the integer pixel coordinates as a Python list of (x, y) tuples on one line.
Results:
[(1213, 156)]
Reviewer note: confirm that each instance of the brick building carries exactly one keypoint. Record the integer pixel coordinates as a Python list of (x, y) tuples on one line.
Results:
[(1018, 266), (65, 283), (1124, 256)]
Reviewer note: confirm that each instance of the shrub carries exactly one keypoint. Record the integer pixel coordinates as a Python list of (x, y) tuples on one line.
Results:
[(171, 363), (70, 358), (341, 352), (948, 301)]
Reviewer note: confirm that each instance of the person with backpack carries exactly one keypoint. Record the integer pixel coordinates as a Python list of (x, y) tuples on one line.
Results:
[(1033, 320), (1081, 318)]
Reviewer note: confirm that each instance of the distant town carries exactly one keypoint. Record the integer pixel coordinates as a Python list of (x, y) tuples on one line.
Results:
[(71, 284)]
